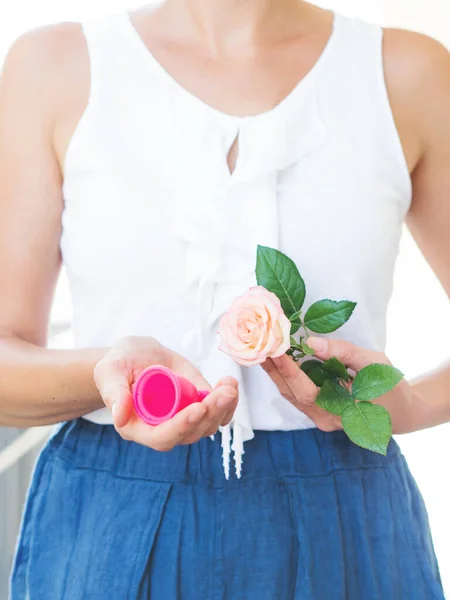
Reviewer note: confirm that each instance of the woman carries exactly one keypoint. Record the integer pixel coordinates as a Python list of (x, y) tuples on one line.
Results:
[(151, 153)]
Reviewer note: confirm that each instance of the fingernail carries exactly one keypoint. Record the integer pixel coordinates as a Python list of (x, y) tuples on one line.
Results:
[(114, 410), (225, 400), (197, 413), (229, 381), (317, 343)]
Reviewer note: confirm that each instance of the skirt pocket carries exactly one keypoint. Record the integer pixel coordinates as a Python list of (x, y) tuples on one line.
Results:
[(363, 533), (19, 574), (87, 534)]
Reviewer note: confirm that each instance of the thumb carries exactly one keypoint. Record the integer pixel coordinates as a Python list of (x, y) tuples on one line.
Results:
[(352, 356), (115, 390), (200, 382), (122, 407), (186, 369)]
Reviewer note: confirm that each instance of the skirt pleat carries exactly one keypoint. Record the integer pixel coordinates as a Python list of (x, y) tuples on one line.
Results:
[(313, 518)]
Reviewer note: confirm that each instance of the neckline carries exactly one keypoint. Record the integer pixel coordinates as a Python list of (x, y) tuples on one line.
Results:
[(195, 100)]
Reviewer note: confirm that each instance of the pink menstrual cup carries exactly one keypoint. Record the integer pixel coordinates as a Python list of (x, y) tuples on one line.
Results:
[(159, 394)]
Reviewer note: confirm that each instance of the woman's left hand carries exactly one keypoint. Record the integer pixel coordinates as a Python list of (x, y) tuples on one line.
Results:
[(297, 387)]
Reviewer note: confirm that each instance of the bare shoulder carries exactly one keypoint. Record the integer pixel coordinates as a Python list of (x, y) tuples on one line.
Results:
[(43, 66), (46, 73), (417, 71), (42, 53), (415, 59)]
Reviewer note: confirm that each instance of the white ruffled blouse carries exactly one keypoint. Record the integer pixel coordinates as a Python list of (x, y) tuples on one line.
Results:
[(159, 238)]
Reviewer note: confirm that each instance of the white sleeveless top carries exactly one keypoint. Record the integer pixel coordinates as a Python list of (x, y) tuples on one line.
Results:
[(158, 237)]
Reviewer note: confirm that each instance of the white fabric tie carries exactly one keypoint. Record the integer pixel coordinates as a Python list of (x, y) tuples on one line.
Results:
[(222, 233)]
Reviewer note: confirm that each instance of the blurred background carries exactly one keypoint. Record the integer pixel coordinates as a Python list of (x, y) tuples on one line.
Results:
[(419, 314)]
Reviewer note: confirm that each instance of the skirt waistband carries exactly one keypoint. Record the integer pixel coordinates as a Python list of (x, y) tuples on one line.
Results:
[(271, 454)]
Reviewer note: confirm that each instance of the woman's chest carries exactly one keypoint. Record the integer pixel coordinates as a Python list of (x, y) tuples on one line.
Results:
[(338, 214)]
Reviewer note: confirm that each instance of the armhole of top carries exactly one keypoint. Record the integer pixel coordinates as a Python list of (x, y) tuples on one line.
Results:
[(93, 80), (391, 126)]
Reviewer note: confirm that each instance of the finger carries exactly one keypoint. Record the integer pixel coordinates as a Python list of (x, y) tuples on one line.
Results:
[(227, 381), (227, 418), (221, 404), (324, 420), (351, 355), (301, 386), (172, 432), (186, 369), (200, 382), (114, 387), (189, 425), (122, 407), (275, 376)]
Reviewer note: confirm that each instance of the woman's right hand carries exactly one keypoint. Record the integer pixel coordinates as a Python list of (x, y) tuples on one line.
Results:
[(116, 373)]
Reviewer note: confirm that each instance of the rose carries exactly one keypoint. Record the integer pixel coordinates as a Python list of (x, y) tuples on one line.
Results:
[(255, 328), (262, 324)]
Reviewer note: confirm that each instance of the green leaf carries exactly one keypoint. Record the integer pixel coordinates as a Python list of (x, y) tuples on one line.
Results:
[(278, 274), (336, 368), (295, 316), (296, 322), (326, 316), (306, 349), (295, 326), (334, 398), (314, 370), (375, 380), (310, 365), (368, 425), (295, 345)]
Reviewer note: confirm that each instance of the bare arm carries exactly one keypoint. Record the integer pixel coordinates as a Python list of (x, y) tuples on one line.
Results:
[(418, 75), (40, 104), (418, 80), (37, 385)]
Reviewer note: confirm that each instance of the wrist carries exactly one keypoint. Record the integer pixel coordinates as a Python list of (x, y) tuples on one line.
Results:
[(432, 403), (78, 366)]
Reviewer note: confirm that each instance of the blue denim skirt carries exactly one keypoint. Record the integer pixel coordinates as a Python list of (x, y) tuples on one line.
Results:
[(313, 518)]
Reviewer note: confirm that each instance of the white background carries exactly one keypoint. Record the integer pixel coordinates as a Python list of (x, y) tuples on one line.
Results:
[(419, 315)]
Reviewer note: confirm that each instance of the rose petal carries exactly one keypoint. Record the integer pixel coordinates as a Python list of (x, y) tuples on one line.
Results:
[(227, 333), (285, 329), (264, 294), (249, 363), (255, 327), (246, 355)]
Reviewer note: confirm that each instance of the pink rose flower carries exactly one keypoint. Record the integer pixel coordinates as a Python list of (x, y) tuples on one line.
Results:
[(255, 328)]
